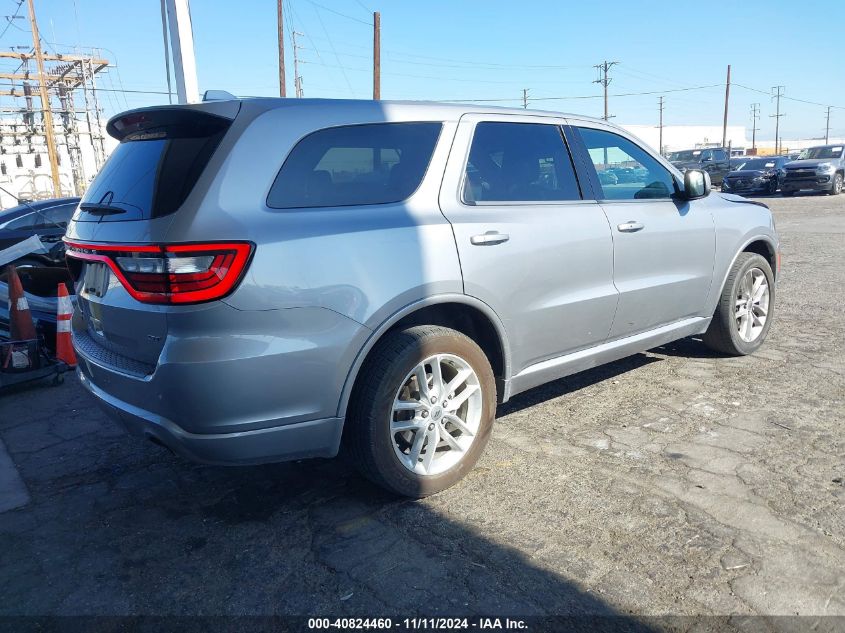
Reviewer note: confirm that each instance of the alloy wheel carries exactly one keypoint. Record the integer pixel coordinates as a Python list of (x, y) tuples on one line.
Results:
[(436, 414), (752, 305)]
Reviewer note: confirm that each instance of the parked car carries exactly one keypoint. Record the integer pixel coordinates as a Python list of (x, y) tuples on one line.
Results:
[(714, 161), (736, 161), (303, 274), (756, 175), (607, 177), (817, 169), (45, 218)]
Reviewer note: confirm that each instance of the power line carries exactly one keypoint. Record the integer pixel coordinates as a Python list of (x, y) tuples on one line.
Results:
[(13, 17), (343, 15), (763, 92), (336, 56), (628, 94), (454, 62)]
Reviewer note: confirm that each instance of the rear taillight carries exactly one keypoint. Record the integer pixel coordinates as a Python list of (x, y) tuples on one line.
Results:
[(171, 273)]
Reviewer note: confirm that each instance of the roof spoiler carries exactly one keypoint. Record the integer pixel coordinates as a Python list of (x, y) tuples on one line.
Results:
[(217, 95), (159, 120)]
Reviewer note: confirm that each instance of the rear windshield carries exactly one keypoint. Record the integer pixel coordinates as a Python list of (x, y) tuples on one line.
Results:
[(149, 174), (356, 164)]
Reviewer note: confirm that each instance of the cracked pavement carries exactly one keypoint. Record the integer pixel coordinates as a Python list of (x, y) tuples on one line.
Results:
[(672, 482)]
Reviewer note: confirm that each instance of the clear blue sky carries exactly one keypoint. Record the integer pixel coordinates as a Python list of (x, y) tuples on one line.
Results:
[(475, 49)]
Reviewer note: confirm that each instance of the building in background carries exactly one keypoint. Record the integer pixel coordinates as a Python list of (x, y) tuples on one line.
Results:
[(678, 137)]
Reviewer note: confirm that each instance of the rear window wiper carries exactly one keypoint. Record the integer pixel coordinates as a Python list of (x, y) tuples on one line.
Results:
[(97, 208)]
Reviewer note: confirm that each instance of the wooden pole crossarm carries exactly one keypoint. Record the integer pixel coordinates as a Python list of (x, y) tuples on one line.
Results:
[(97, 61)]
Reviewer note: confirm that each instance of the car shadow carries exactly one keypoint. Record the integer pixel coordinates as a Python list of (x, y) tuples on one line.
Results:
[(569, 384), (120, 527), (692, 347)]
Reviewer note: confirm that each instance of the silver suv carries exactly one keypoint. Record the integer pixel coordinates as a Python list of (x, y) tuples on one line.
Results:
[(816, 169), (265, 279)]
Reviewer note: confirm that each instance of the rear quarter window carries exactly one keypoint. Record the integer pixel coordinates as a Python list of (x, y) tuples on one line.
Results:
[(350, 165)]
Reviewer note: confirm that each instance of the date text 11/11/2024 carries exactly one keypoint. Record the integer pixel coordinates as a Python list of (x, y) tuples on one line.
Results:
[(434, 624)]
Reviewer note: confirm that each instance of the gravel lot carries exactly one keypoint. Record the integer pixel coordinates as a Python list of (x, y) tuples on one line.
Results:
[(673, 482)]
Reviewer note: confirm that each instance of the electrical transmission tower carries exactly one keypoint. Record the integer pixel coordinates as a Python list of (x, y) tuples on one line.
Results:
[(297, 78), (778, 93), (604, 80), (755, 116), (660, 143), (827, 125), (54, 113)]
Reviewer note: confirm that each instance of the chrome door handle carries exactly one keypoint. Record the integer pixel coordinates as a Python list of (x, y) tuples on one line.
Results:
[(631, 226), (490, 238)]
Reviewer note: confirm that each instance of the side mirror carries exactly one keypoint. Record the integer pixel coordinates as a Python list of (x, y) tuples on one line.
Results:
[(696, 184)]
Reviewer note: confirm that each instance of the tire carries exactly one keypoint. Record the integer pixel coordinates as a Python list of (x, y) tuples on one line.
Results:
[(836, 187), (724, 333), (384, 455), (772, 188)]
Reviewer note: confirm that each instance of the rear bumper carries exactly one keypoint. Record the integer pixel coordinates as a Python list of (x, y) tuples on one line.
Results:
[(232, 386), (315, 438)]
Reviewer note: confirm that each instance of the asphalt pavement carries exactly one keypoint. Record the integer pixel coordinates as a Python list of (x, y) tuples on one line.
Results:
[(672, 482)]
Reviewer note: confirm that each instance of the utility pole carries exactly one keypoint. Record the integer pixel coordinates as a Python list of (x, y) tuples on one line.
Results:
[(778, 93), (827, 125), (525, 98), (376, 55), (182, 46), (727, 97), (297, 79), (755, 116), (660, 143), (166, 54), (280, 23), (604, 80), (46, 108)]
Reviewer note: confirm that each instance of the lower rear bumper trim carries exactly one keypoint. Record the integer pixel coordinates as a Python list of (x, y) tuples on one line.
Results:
[(315, 438)]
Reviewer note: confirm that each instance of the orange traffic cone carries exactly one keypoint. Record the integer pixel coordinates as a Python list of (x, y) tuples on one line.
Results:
[(21, 327), (64, 348)]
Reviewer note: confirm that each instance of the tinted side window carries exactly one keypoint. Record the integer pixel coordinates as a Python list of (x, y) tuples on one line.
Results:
[(719, 154), (355, 164), (519, 162), (625, 170)]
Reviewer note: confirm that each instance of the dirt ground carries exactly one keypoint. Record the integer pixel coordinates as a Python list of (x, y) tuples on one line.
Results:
[(672, 482)]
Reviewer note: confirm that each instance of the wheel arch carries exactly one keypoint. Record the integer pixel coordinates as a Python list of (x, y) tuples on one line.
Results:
[(763, 245), (460, 312), (764, 248)]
